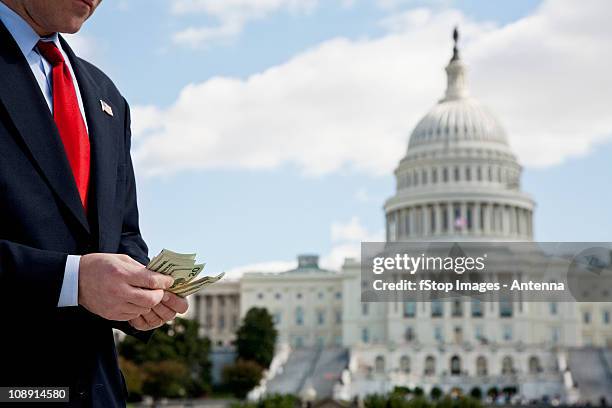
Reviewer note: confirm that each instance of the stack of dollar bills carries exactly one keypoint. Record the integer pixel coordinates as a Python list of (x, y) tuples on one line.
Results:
[(184, 270)]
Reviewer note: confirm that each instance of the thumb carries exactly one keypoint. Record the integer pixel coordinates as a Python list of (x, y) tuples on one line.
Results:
[(147, 279)]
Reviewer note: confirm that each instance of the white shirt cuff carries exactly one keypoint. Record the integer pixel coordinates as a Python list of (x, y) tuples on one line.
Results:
[(69, 295)]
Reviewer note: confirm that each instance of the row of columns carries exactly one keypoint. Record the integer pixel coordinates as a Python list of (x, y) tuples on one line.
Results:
[(453, 174), (463, 218)]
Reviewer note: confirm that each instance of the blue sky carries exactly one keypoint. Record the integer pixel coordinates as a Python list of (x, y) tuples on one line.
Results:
[(235, 211)]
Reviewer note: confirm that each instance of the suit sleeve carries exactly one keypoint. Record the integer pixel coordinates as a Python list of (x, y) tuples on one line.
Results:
[(131, 243), (40, 271)]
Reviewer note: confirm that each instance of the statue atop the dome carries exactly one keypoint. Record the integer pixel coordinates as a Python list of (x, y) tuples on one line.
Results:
[(455, 48)]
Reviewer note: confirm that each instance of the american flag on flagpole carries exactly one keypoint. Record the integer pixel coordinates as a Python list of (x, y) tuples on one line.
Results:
[(460, 222)]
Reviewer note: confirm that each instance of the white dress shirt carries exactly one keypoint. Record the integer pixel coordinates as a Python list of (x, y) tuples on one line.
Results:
[(26, 38)]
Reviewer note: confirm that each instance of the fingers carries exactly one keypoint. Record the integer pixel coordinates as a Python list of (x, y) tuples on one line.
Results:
[(144, 278), (145, 297), (130, 308), (164, 312), (153, 320), (176, 303), (139, 323)]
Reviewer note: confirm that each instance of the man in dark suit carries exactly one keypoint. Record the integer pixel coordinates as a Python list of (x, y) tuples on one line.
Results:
[(71, 253)]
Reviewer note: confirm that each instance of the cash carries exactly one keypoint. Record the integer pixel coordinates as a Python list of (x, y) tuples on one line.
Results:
[(184, 270)]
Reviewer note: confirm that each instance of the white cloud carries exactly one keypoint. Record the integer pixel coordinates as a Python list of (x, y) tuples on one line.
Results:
[(231, 17), (351, 231), (351, 104)]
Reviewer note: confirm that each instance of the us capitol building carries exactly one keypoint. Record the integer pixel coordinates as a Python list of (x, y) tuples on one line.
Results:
[(458, 181)]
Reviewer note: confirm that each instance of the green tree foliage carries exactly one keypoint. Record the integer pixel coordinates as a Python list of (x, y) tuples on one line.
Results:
[(476, 393), (393, 400), (175, 345), (256, 337), (134, 377), (436, 393), (242, 376), (168, 379), (272, 401)]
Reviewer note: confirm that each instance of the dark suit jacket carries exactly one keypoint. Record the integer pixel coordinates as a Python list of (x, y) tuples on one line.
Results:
[(42, 221)]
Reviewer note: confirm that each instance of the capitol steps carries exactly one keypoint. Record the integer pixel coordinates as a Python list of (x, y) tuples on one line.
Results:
[(591, 372), (319, 368)]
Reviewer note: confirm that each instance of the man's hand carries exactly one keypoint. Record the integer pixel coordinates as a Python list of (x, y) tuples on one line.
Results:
[(162, 313), (117, 287)]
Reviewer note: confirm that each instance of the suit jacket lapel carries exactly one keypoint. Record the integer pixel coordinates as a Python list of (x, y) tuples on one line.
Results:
[(102, 141), (25, 104)]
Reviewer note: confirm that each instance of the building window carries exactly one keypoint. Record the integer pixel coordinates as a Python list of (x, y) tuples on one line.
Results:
[(379, 365), (424, 176), (365, 335), (479, 333), (479, 173), (445, 175), (338, 317), (555, 335), (260, 296), (277, 318), (430, 366), (468, 174), (321, 317), (458, 332), (409, 309), (505, 308), (457, 310), (477, 309), (606, 317), (438, 334), (455, 365), (320, 295), (409, 334), (299, 295), (507, 366), (434, 176), (299, 316), (277, 296), (586, 317), (437, 308), (534, 365), (481, 366), (338, 295), (553, 308), (457, 175), (507, 333), (405, 364), (365, 308)]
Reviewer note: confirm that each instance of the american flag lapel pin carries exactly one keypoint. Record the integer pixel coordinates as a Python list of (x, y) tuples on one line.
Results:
[(106, 108)]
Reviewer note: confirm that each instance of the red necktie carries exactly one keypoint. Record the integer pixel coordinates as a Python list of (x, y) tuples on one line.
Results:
[(68, 118)]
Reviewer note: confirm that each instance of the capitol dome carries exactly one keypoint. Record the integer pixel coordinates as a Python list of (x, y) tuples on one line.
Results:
[(459, 178)]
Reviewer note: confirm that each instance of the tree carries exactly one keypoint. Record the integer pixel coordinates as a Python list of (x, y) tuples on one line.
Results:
[(476, 393), (165, 379), (418, 392), (175, 345), (134, 378), (436, 393), (256, 337), (242, 376)]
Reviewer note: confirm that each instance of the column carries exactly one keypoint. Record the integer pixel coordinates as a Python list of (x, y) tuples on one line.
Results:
[(438, 210), (426, 220), (463, 212), (449, 217), (476, 218), (412, 219)]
